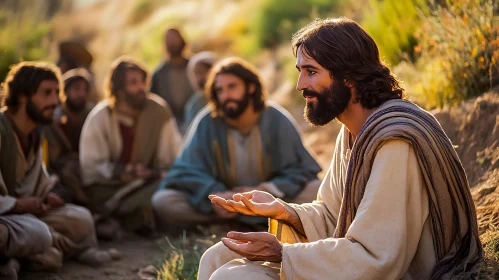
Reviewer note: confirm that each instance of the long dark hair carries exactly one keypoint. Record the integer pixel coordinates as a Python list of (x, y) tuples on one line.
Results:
[(115, 80), (24, 79), (343, 47), (242, 69)]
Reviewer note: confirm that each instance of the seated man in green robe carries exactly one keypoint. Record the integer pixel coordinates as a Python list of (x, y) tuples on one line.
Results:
[(240, 142)]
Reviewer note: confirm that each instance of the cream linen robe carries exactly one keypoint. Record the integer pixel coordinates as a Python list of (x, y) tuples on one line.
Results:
[(390, 237), (69, 228), (101, 143)]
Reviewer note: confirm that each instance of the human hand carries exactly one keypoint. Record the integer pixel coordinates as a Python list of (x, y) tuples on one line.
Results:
[(221, 212), (142, 171), (29, 205), (254, 203), (255, 246), (54, 200)]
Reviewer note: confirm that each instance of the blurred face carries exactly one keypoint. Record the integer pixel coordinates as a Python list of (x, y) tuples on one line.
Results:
[(40, 106), (174, 43), (77, 94), (326, 98), (232, 94), (135, 89), (201, 71)]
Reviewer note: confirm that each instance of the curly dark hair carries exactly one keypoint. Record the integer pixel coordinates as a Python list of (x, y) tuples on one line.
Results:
[(115, 80), (242, 69), (24, 79), (343, 47)]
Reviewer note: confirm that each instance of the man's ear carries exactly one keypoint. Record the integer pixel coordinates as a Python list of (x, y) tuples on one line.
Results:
[(349, 83), (251, 89)]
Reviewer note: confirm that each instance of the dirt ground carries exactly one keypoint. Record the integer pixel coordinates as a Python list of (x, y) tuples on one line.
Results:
[(137, 252)]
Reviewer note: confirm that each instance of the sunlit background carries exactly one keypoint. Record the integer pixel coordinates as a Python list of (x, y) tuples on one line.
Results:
[(444, 51)]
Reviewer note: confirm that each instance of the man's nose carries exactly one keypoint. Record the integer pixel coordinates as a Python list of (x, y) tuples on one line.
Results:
[(301, 84), (54, 100)]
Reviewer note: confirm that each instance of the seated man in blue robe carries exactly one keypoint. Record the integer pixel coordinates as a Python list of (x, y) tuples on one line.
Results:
[(239, 142)]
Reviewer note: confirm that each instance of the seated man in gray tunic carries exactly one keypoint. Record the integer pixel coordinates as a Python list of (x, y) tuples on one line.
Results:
[(240, 142), (37, 228)]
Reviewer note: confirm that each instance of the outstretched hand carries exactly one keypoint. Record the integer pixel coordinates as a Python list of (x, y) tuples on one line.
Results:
[(254, 203), (255, 246)]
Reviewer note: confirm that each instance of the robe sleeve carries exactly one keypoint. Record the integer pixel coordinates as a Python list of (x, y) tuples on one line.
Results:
[(296, 166), (95, 156), (194, 171), (383, 238), (7, 202)]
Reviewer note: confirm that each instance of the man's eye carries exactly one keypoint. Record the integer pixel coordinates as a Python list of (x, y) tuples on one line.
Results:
[(311, 72)]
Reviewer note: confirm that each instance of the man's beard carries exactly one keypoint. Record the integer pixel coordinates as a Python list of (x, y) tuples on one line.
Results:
[(242, 104), (75, 107), (36, 114), (330, 103), (136, 101)]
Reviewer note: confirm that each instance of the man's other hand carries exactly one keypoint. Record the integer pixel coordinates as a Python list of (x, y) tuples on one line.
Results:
[(222, 212), (254, 203), (255, 246), (29, 205), (54, 200)]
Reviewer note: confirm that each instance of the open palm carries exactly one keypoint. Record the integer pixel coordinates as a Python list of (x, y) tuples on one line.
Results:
[(254, 203)]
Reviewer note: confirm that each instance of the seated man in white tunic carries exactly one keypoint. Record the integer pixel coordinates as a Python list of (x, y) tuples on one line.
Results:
[(395, 203)]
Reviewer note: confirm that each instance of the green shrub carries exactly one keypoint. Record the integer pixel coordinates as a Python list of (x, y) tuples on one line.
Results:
[(22, 37), (392, 24), (277, 20), (181, 260), (458, 51)]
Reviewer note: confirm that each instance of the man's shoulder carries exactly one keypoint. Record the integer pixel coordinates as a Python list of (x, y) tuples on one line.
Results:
[(205, 117), (278, 111), (158, 105), (278, 115), (162, 66), (100, 111)]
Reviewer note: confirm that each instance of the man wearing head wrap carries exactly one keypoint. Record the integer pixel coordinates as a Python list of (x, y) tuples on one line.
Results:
[(197, 70), (170, 78), (63, 136)]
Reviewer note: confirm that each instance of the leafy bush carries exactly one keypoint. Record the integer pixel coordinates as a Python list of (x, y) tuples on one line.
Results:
[(23, 36), (181, 260), (277, 20), (459, 51), (392, 24)]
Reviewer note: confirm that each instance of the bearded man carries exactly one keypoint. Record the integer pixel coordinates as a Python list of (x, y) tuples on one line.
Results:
[(63, 136), (128, 143), (240, 143), (170, 79), (37, 227), (395, 203)]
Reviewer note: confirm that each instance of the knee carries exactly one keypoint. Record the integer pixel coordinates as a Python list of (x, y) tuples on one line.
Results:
[(82, 223), (41, 232), (213, 253), (163, 200), (231, 270), (45, 237)]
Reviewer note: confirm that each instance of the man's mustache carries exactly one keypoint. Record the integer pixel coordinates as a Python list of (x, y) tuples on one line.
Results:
[(231, 100), (310, 93), (46, 108)]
